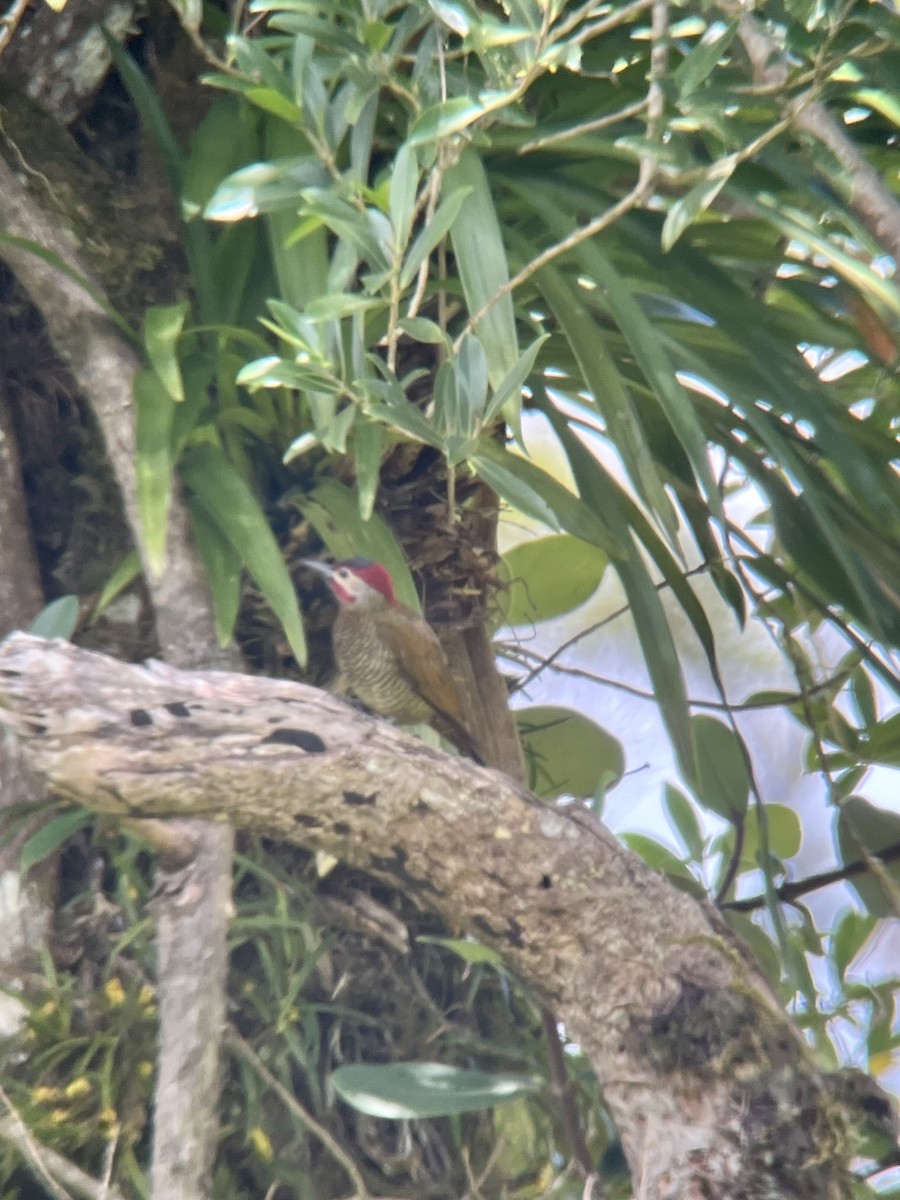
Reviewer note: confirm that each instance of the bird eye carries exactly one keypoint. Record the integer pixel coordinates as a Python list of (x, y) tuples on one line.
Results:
[(343, 573)]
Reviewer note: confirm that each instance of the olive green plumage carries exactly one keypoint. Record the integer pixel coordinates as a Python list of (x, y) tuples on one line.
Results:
[(390, 657)]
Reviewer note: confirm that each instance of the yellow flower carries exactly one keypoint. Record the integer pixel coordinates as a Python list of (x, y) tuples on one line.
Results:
[(108, 1116), (41, 1095), (146, 995), (115, 993), (259, 1139), (145, 1068), (78, 1087)]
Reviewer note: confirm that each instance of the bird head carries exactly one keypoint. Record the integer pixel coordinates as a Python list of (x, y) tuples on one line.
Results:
[(358, 582)]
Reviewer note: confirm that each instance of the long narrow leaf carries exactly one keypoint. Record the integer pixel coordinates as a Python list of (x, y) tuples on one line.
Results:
[(647, 611), (480, 252), (228, 503), (609, 394), (154, 409)]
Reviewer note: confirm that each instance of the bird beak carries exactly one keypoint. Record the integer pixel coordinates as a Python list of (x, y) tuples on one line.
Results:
[(325, 569)]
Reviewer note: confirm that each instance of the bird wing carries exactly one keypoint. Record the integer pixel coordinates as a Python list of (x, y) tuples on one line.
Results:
[(422, 660)]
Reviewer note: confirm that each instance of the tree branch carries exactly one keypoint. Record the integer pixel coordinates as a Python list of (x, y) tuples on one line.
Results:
[(793, 890), (869, 196), (648, 981)]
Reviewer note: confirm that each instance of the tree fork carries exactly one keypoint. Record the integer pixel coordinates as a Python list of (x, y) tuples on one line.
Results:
[(713, 1091)]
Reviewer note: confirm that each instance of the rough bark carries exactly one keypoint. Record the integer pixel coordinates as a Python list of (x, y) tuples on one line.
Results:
[(192, 918), (713, 1092), (25, 902)]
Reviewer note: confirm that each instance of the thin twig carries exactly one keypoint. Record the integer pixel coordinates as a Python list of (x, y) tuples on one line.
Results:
[(659, 64), (244, 1050), (582, 234), (790, 892), (561, 1089), (625, 113), (10, 20)]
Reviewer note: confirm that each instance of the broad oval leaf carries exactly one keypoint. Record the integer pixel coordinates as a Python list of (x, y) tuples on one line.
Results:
[(661, 858), (568, 753), (549, 576), (683, 819), (56, 619), (411, 1090), (864, 828), (721, 783), (784, 833)]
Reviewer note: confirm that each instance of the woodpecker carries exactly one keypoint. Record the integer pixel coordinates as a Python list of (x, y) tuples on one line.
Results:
[(390, 657)]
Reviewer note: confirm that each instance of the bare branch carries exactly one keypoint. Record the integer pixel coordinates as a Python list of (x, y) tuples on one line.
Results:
[(635, 968)]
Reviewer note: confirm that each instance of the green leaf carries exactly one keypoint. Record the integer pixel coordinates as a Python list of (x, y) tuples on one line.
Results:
[(549, 576), (661, 858), (658, 368), (52, 835), (458, 113), (568, 753), (154, 409), (435, 229), (468, 950), (402, 194), (687, 208), (162, 330), (125, 574), (528, 488), (601, 378), (270, 100), (850, 935), (368, 442), (223, 570), (721, 782), (265, 187), (702, 59), (883, 745), (56, 619), (600, 497), (480, 252), (229, 504), (783, 830), (471, 371), (59, 264), (151, 111), (806, 229), (333, 511), (862, 826), (508, 393), (683, 819), (862, 691), (417, 1090), (420, 329)]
